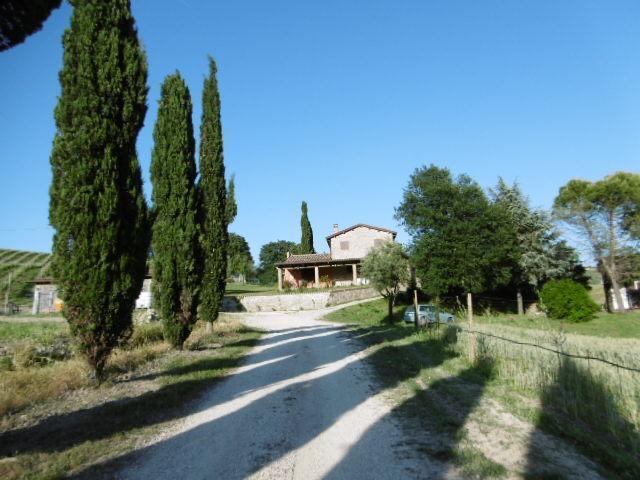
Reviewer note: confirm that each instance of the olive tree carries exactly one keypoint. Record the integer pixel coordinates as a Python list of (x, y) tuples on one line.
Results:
[(387, 268)]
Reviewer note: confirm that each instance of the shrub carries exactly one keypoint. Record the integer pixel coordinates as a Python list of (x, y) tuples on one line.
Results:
[(146, 334), (568, 300)]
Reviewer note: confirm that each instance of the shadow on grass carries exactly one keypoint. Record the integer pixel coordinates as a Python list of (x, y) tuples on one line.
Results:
[(580, 408)]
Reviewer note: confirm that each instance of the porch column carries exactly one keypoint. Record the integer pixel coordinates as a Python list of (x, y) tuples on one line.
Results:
[(317, 272), (354, 270), (279, 278)]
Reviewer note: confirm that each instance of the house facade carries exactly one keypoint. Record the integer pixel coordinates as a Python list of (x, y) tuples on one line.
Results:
[(339, 267)]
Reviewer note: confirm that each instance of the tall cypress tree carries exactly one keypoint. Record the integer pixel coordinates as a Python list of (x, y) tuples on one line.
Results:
[(212, 201), (97, 206), (175, 226), (232, 205), (306, 242)]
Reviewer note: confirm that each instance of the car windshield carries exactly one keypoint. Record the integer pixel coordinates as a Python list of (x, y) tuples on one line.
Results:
[(427, 308)]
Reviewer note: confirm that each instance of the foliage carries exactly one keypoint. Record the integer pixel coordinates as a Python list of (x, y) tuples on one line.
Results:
[(542, 255), (176, 270), (212, 201), (605, 215), (97, 206), (568, 300), (306, 241), (272, 253), (240, 261), (146, 334), (459, 239), (387, 268), (232, 205), (20, 18)]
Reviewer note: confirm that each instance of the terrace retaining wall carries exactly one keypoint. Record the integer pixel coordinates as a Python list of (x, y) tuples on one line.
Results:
[(293, 302)]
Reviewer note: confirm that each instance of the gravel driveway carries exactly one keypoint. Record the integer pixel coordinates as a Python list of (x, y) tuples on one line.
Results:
[(303, 405)]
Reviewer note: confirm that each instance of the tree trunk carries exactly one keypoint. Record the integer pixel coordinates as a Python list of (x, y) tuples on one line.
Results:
[(390, 309), (613, 278), (520, 302), (208, 327), (472, 335), (613, 273)]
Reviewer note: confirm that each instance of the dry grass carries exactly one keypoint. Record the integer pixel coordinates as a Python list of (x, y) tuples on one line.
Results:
[(69, 435), (24, 387), (589, 401)]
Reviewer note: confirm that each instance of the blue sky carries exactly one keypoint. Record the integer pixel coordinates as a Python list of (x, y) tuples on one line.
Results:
[(336, 102)]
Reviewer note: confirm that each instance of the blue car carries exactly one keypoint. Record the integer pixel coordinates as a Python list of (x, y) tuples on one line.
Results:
[(427, 314)]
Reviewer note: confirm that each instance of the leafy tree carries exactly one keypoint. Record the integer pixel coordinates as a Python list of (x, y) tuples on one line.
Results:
[(568, 300), (604, 214), (306, 243), (97, 205), (542, 255), (387, 268), (240, 260), (460, 241), (20, 18), (270, 254), (175, 227), (232, 205), (212, 201)]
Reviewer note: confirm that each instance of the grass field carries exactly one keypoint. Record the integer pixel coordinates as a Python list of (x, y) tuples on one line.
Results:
[(591, 405), (52, 415), (614, 325)]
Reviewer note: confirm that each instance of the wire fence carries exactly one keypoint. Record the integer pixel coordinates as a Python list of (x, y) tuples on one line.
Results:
[(548, 349)]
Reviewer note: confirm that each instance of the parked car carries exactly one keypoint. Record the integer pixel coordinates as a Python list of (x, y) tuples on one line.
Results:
[(428, 313)]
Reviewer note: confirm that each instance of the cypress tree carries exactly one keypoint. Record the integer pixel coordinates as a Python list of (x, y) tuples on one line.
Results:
[(20, 18), (175, 227), (232, 205), (212, 201), (306, 242), (97, 206)]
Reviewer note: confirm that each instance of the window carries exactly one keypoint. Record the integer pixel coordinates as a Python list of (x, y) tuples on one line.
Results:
[(344, 245)]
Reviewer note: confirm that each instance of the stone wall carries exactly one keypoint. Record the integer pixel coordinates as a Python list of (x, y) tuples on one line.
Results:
[(293, 302)]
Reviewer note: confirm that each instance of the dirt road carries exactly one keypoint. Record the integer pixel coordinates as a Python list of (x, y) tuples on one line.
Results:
[(303, 405)]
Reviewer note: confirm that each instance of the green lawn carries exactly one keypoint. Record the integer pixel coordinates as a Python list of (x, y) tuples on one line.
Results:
[(43, 332), (612, 325), (248, 289)]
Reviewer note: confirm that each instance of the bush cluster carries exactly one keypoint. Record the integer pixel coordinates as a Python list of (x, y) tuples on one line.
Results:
[(568, 300)]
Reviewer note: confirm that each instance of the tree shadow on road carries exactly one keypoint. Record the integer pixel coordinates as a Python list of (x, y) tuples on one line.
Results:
[(289, 402)]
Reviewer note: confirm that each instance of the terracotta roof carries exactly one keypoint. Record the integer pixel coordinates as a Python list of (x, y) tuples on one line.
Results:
[(353, 227), (318, 259), (307, 258)]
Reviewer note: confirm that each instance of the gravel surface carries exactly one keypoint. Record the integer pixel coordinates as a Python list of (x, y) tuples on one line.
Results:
[(303, 405)]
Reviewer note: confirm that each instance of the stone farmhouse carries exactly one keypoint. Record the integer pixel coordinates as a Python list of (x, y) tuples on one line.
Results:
[(339, 267)]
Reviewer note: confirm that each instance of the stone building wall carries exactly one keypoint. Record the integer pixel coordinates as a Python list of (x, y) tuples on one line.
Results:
[(360, 241)]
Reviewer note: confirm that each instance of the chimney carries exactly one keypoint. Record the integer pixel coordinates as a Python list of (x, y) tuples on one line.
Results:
[(288, 254), (335, 228)]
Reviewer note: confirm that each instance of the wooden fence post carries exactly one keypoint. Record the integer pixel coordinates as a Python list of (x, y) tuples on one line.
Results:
[(415, 307), (472, 335)]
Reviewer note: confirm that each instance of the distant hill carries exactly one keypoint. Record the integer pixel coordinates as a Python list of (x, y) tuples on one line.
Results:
[(23, 267)]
